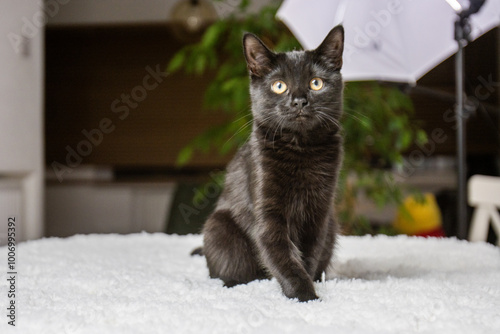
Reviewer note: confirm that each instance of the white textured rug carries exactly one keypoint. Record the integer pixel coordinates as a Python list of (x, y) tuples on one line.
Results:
[(147, 283)]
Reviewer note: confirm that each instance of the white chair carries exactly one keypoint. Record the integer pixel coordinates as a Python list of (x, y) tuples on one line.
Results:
[(484, 195)]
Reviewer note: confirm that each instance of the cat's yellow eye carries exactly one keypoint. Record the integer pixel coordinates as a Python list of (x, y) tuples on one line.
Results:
[(316, 84), (279, 87)]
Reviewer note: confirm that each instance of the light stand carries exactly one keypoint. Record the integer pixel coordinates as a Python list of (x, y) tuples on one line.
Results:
[(462, 35)]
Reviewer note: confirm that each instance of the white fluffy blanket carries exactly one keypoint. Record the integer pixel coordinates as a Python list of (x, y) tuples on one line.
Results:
[(147, 283)]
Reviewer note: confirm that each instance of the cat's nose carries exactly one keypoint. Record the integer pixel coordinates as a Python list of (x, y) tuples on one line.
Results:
[(299, 102)]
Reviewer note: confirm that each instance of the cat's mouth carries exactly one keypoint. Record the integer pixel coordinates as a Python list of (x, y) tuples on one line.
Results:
[(302, 116), (300, 119)]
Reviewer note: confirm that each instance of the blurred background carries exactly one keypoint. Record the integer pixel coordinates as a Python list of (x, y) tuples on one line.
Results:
[(119, 116)]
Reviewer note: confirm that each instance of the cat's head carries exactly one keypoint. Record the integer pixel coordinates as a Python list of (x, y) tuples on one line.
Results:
[(298, 90)]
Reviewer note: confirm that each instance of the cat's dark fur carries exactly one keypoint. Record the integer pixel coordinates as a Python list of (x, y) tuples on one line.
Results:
[(275, 217)]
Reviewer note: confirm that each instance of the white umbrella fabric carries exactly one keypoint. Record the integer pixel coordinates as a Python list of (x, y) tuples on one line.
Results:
[(399, 41), (386, 40)]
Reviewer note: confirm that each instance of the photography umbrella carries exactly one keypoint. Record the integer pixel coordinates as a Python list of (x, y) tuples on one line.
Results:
[(398, 41), (386, 40)]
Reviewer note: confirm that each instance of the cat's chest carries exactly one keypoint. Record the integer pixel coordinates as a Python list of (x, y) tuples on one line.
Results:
[(303, 166), (300, 176), (297, 177), (302, 191)]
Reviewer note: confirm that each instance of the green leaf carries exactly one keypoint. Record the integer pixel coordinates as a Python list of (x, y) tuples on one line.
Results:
[(184, 156), (176, 62), (405, 140), (244, 4), (200, 64), (422, 137), (212, 35)]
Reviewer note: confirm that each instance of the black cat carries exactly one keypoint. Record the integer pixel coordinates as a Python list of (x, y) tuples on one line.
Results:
[(275, 217)]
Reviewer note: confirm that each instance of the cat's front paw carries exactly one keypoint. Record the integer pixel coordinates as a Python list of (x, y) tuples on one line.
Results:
[(303, 291), (307, 296)]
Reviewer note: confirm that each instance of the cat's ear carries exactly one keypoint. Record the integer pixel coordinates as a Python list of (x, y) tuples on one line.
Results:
[(259, 57), (331, 49)]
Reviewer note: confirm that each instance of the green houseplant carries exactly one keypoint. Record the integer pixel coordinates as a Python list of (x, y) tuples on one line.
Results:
[(377, 120)]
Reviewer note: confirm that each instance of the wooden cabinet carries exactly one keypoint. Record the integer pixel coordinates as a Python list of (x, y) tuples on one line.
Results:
[(21, 127), (10, 205), (107, 207)]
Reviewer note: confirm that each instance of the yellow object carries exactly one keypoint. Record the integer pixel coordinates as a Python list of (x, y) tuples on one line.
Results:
[(419, 217)]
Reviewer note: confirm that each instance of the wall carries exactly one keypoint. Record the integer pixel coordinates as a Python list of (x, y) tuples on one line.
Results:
[(92, 12)]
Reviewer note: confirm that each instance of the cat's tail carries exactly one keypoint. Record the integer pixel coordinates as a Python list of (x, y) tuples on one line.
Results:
[(197, 251)]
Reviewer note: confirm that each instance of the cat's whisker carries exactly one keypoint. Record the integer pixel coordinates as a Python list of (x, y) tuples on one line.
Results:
[(330, 117), (281, 128), (265, 137), (264, 121), (324, 121), (242, 128), (355, 111), (279, 125), (327, 118), (350, 112), (361, 120), (242, 117)]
